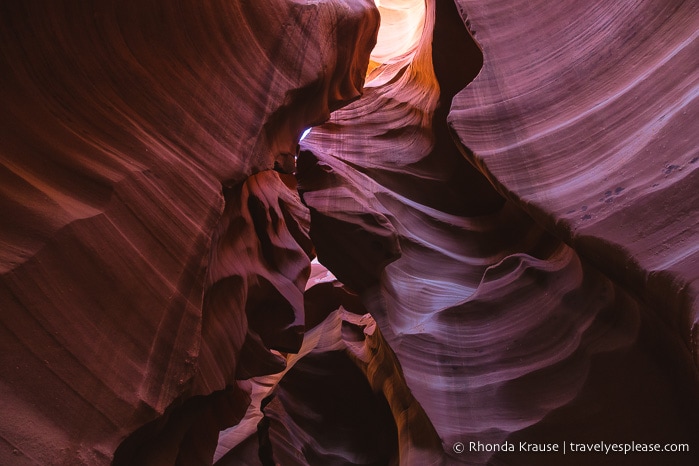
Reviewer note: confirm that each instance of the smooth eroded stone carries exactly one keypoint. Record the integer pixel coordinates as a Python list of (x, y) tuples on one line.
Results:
[(122, 127), (590, 128), (503, 330)]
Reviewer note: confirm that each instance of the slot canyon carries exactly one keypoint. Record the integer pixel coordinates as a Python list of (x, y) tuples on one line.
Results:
[(486, 245)]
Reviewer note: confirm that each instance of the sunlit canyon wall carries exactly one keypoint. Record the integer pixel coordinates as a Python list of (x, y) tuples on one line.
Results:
[(503, 195)]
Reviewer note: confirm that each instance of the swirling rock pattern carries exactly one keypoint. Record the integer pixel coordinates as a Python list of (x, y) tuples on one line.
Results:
[(502, 330), (587, 129), (358, 410), (515, 257), (128, 136)]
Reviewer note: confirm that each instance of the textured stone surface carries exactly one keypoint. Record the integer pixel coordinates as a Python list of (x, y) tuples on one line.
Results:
[(504, 331), (341, 400), (125, 131), (512, 221), (590, 130)]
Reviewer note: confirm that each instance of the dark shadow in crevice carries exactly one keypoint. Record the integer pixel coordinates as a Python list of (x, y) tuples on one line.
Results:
[(186, 434), (344, 421)]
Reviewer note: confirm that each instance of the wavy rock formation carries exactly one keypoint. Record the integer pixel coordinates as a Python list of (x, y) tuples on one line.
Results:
[(507, 228), (503, 331), (588, 129), (342, 398), (125, 130)]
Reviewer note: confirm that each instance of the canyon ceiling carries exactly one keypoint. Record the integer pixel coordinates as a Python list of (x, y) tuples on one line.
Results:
[(491, 233)]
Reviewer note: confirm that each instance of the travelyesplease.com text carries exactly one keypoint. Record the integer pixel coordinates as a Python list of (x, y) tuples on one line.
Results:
[(571, 447)]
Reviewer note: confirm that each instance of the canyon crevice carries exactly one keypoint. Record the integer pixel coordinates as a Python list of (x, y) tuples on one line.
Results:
[(490, 234)]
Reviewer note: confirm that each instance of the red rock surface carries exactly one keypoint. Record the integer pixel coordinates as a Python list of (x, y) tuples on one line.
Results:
[(505, 327), (122, 128), (590, 130), (341, 400), (512, 221)]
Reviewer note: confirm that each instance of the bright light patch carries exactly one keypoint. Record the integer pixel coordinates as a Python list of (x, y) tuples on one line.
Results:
[(304, 134), (400, 33)]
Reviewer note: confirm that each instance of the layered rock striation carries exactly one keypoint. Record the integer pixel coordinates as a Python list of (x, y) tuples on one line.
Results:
[(507, 326), (502, 196), (588, 129), (146, 238)]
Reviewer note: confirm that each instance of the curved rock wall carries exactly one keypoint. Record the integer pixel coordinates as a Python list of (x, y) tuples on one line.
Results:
[(506, 327), (588, 129), (516, 258), (122, 128)]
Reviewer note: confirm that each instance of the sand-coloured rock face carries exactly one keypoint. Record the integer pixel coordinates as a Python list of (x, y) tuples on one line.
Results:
[(502, 195)]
